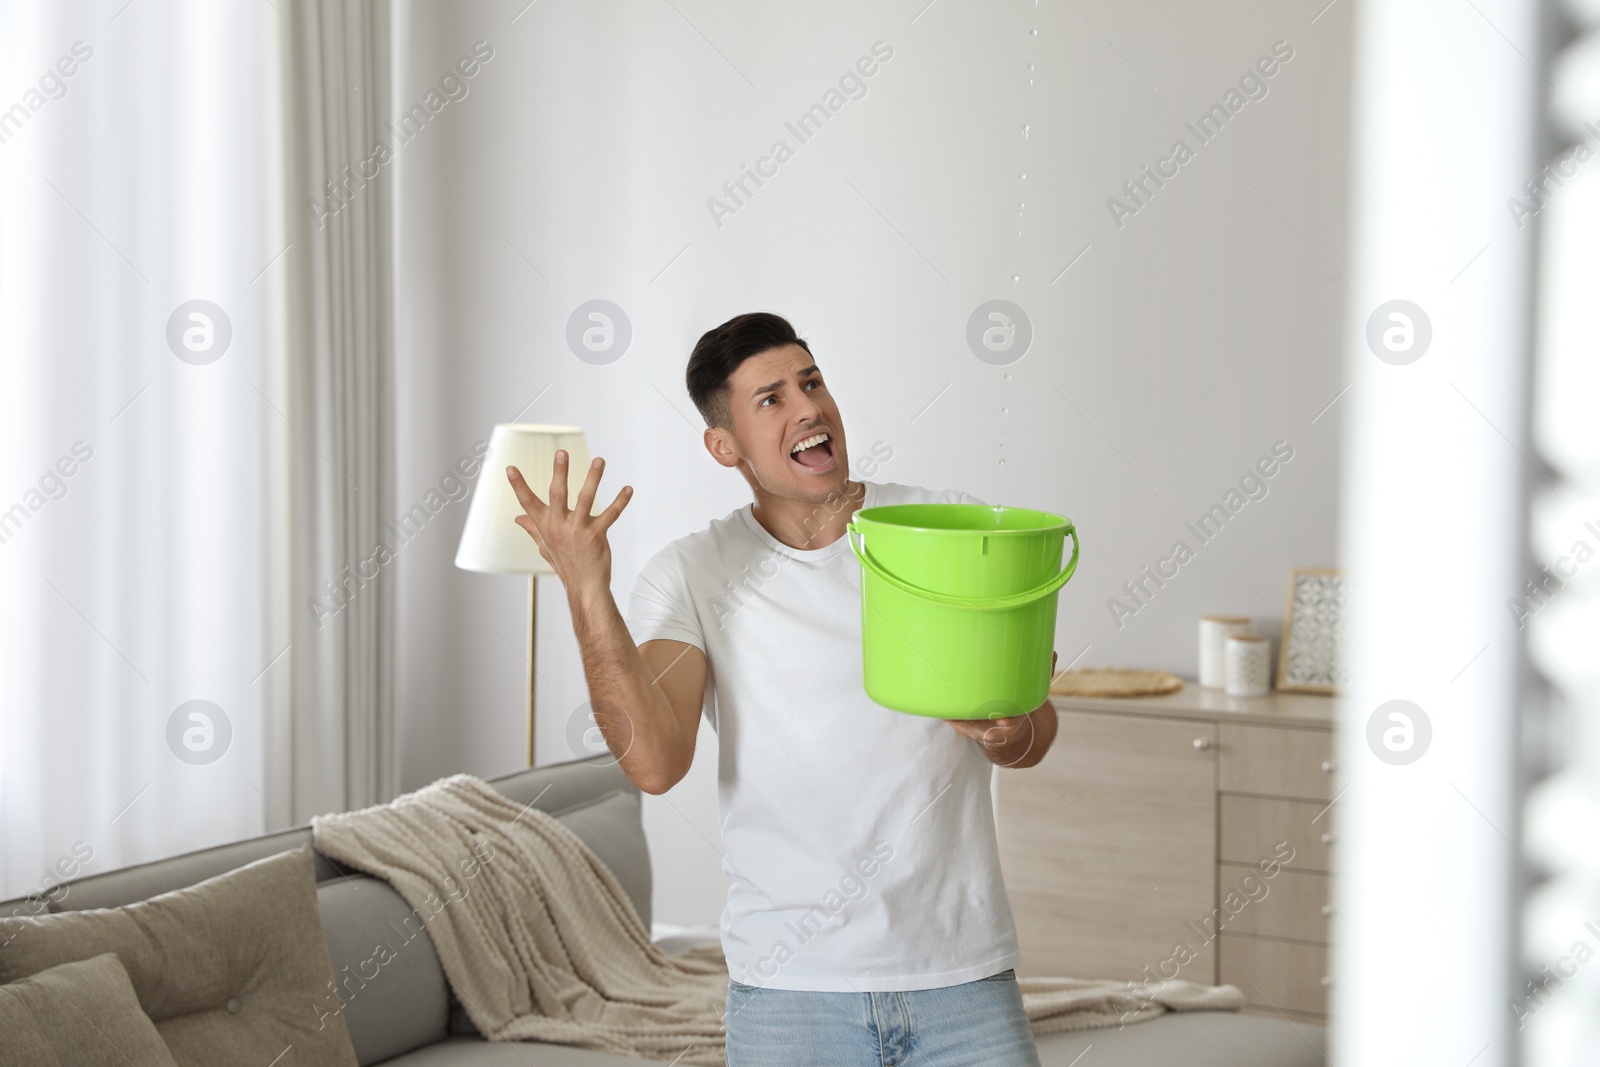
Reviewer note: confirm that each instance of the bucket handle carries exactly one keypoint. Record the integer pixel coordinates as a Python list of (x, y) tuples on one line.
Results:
[(1002, 603)]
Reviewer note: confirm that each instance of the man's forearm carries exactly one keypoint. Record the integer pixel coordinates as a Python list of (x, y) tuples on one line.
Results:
[(632, 712)]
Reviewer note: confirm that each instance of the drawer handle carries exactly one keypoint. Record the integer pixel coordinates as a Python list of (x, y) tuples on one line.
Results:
[(1327, 839), (1201, 744), (1328, 767), (1327, 911)]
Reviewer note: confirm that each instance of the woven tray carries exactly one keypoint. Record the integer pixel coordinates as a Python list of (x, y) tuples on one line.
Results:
[(1114, 682)]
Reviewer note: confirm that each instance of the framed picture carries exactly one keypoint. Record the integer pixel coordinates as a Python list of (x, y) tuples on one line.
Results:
[(1311, 653)]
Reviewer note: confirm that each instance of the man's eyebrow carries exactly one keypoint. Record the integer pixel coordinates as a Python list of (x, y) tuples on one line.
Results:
[(774, 386)]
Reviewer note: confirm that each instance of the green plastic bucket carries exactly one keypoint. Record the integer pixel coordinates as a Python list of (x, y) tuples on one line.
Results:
[(958, 606)]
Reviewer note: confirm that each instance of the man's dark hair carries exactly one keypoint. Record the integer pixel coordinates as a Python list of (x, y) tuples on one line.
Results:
[(720, 351)]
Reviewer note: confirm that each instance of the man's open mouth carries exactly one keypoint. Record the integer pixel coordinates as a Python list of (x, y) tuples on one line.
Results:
[(814, 453)]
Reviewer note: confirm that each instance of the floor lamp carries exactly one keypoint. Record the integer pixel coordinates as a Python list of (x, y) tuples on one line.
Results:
[(493, 542)]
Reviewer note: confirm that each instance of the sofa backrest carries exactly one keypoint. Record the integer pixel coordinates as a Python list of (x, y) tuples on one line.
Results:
[(553, 788), (568, 792), (391, 988)]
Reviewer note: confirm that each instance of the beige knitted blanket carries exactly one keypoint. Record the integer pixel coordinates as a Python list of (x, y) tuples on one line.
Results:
[(540, 941)]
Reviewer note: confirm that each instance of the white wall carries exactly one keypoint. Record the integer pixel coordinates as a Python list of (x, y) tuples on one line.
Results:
[(1171, 355)]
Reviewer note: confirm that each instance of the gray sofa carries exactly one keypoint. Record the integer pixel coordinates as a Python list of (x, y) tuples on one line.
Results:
[(407, 1017)]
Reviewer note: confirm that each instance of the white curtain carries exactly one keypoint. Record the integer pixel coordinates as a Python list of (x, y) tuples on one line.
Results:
[(1557, 983), (339, 752), (193, 419)]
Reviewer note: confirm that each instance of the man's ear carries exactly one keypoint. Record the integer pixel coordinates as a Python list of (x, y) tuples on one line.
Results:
[(720, 444)]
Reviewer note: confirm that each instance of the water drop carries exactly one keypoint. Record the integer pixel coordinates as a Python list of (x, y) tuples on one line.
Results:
[(1025, 130), (1033, 33), (1024, 177), (1005, 411), (1002, 461), (1030, 66), (1016, 277), (1008, 377)]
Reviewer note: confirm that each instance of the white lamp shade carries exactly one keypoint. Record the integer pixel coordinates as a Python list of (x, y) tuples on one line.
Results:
[(492, 540)]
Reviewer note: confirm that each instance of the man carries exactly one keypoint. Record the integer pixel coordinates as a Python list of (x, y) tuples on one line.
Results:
[(867, 922)]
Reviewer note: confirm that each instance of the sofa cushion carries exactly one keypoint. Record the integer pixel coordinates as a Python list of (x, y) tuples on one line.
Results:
[(390, 986), (232, 970), (610, 825), (79, 1014), (476, 1052), (1177, 1039), (1191, 1039)]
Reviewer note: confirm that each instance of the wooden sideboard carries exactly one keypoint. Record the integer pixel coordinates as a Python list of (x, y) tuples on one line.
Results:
[(1182, 836)]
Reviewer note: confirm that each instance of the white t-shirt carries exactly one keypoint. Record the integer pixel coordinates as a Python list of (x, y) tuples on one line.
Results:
[(860, 841)]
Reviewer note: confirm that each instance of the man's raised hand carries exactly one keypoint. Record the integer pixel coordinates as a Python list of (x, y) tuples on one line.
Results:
[(571, 540)]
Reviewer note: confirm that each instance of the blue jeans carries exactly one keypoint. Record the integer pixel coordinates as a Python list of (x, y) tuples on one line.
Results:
[(979, 1023)]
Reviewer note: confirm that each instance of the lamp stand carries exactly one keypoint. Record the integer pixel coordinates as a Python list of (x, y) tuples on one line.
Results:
[(533, 651)]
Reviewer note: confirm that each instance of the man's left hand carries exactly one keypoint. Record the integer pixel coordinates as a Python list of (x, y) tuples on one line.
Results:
[(1016, 740)]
